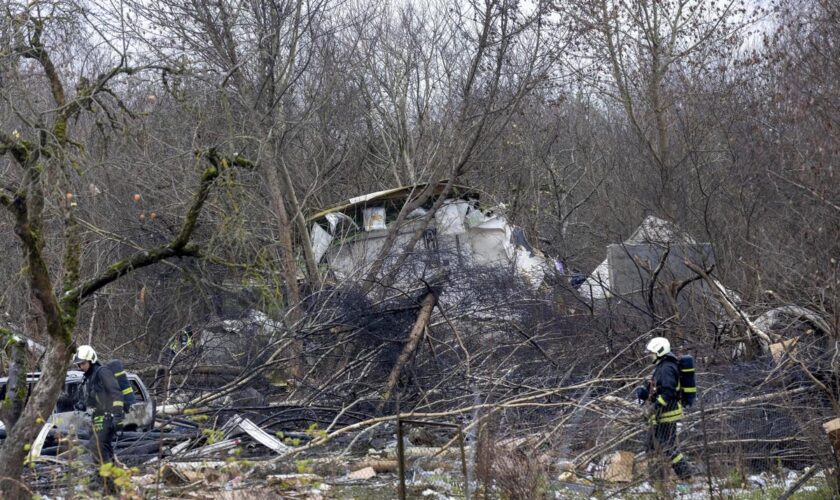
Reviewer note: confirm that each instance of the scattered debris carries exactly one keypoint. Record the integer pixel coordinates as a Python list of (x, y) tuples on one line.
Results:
[(259, 435), (350, 234), (619, 467), (577, 488), (211, 449), (778, 349), (289, 481), (427, 451), (832, 428), (361, 474), (784, 316), (38, 444), (799, 483), (379, 466), (171, 476)]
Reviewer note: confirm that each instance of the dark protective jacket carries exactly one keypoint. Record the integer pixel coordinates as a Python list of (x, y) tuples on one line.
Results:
[(101, 392), (664, 391)]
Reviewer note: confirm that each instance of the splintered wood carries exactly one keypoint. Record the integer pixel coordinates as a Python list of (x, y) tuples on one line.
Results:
[(366, 473), (619, 467), (832, 428), (778, 349)]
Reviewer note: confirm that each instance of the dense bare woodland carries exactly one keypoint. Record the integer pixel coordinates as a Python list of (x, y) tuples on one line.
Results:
[(165, 165)]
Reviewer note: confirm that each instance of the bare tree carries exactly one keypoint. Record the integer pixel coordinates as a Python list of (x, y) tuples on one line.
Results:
[(46, 159), (635, 52)]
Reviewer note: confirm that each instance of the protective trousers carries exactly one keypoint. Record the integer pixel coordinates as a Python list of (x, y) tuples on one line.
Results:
[(102, 439), (662, 446)]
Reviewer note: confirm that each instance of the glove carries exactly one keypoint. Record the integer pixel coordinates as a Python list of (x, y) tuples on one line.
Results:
[(642, 394), (79, 406), (98, 423)]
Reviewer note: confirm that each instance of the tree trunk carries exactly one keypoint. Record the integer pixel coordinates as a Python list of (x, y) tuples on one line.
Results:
[(41, 404), (287, 263), (284, 228), (300, 223), (16, 387)]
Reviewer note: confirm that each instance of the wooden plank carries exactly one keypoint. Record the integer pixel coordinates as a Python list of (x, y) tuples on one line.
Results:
[(832, 428), (379, 465), (362, 474)]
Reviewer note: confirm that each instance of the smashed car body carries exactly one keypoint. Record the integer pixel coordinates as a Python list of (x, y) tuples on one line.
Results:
[(67, 420)]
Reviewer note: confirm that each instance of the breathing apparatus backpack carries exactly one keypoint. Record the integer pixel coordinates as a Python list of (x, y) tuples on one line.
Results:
[(688, 381), (129, 398)]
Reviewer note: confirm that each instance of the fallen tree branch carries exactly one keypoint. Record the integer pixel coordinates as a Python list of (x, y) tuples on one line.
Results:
[(798, 484), (731, 308), (414, 338)]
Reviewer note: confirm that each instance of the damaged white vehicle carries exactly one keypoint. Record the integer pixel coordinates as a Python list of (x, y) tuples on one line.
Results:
[(349, 236), (141, 416)]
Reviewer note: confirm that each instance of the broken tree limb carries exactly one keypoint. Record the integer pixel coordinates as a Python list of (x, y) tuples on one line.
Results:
[(379, 466), (414, 338), (731, 308), (798, 484)]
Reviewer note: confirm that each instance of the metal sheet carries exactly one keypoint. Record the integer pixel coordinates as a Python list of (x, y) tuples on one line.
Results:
[(213, 448), (35, 452), (262, 437)]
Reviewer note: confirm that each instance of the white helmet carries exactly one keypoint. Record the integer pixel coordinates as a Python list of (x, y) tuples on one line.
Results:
[(85, 353), (659, 346)]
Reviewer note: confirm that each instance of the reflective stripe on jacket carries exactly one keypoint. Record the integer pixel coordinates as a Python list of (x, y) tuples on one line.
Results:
[(122, 380)]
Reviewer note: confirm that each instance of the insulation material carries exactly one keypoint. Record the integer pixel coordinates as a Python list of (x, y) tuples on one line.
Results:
[(490, 241), (475, 218), (320, 241), (450, 218), (340, 222), (374, 218), (531, 266), (597, 285), (417, 213)]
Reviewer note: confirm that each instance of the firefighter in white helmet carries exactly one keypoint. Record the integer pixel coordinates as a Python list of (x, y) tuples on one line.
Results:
[(101, 397), (662, 392)]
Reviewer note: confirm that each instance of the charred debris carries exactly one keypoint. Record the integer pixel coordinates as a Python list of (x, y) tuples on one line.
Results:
[(448, 314)]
